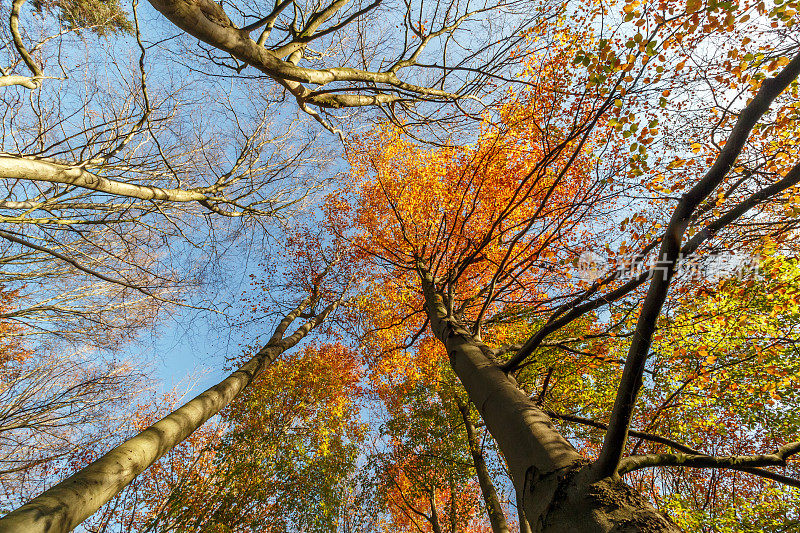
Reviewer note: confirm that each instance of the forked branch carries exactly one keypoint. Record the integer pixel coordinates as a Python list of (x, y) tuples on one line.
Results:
[(631, 382)]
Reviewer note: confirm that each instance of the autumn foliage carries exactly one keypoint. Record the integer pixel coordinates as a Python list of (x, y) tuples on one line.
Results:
[(656, 388)]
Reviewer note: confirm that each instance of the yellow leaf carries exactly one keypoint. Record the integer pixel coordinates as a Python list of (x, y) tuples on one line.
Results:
[(694, 5)]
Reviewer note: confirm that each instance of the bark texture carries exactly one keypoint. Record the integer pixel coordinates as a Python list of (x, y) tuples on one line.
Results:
[(67, 504), (494, 509), (72, 501), (554, 480), (524, 525), (12, 167)]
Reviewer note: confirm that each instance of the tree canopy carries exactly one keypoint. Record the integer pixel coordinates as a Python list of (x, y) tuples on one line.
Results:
[(490, 266)]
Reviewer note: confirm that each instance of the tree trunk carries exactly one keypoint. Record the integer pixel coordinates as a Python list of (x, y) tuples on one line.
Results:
[(435, 525), (64, 506), (553, 478), (524, 525), (496, 516)]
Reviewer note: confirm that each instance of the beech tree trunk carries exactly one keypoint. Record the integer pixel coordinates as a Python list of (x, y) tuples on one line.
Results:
[(435, 525), (497, 518), (555, 481), (64, 506), (524, 525)]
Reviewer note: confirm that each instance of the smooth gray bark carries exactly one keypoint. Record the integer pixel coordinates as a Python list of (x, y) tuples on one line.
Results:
[(497, 518), (524, 525), (67, 504), (14, 167), (555, 481)]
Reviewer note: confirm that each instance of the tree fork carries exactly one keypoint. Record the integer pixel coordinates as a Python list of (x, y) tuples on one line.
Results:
[(555, 481), (669, 252)]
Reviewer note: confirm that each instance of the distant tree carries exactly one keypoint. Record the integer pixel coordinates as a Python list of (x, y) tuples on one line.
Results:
[(55, 405)]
